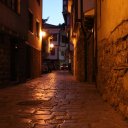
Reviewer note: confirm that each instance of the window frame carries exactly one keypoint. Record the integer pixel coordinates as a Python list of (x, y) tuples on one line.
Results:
[(52, 51), (55, 36), (38, 1), (31, 25), (14, 5), (37, 28)]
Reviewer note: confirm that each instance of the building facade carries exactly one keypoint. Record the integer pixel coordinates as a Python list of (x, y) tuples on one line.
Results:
[(79, 16), (112, 47), (16, 44), (13, 34), (57, 44), (34, 38)]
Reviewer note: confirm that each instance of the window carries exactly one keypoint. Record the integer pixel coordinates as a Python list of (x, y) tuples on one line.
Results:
[(64, 2), (37, 28), (52, 51), (62, 53), (64, 39), (64, 8), (54, 37), (17, 6), (9, 3), (30, 21), (4, 1), (13, 4), (99, 13), (38, 1)]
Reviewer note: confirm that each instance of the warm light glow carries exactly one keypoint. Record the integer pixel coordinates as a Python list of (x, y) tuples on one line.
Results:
[(51, 45), (42, 34), (74, 35), (51, 37), (74, 40)]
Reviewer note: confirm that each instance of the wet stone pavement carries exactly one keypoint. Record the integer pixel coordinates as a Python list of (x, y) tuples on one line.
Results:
[(56, 100)]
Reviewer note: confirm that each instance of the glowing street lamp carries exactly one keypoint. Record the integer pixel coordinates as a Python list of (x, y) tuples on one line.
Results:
[(51, 46)]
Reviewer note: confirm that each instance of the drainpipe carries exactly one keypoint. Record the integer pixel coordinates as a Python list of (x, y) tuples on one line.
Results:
[(81, 3), (84, 31)]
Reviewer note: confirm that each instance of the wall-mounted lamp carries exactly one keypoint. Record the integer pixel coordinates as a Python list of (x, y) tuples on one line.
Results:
[(51, 46), (74, 35), (42, 34)]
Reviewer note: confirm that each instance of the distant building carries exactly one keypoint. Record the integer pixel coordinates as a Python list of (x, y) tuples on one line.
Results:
[(20, 44), (57, 45)]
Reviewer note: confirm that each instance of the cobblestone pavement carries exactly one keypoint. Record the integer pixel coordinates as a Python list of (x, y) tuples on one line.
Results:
[(56, 100)]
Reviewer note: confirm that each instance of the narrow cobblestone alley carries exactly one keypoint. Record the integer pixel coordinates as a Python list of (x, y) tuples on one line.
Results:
[(56, 100)]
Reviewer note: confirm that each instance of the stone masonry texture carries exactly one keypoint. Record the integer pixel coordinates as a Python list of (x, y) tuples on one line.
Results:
[(56, 100), (113, 67)]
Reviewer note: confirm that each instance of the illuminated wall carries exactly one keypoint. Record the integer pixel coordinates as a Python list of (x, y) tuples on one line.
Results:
[(112, 42)]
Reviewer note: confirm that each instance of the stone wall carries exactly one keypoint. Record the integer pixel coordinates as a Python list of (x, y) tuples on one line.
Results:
[(112, 79)]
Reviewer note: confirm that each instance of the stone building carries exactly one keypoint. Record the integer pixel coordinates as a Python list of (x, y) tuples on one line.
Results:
[(112, 48), (13, 34), (18, 44), (79, 18)]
